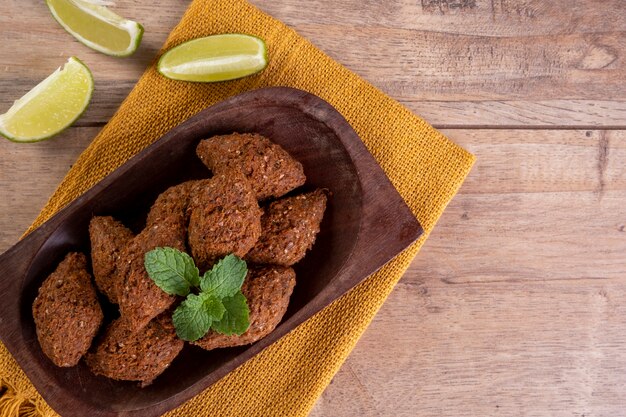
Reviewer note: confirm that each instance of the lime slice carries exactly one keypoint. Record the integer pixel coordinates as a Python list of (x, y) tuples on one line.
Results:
[(54, 104), (215, 58), (97, 27)]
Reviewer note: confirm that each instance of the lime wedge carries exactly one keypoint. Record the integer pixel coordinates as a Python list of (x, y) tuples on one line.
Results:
[(215, 58), (54, 104), (97, 27)]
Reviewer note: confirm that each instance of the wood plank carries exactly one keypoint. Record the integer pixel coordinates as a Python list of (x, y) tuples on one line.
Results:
[(29, 173), (457, 67), (521, 114), (531, 199), (521, 237), (440, 66), (515, 306), (466, 17), (506, 114), (510, 349), (547, 161)]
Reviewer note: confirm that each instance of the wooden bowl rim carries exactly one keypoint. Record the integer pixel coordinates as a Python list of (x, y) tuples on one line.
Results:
[(386, 228)]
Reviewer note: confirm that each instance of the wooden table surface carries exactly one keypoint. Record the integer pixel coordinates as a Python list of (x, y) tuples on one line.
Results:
[(516, 306)]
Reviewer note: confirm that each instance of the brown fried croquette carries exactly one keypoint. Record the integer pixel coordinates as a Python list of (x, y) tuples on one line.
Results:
[(140, 299), (269, 168), (171, 205), (66, 312), (267, 290), (108, 237), (225, 218), (288, 229), (128, 355)]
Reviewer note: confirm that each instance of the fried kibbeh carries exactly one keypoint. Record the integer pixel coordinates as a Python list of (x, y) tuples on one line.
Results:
[(267, 290), (288, 229), (127, 355), (209, 219), (269, 168), (225, 218), (140, 299), (108, 237), (66, 312), (171, 205)]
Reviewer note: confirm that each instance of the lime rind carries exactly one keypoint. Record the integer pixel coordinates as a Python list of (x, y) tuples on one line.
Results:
[(134, 29), (190, 71), (19, 104)]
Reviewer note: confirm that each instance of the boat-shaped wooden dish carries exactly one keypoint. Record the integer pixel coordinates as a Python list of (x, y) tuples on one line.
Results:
[(366, 224)]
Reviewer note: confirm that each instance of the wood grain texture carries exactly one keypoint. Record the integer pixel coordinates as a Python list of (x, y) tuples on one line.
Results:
[(515, 305), (517, 309), (483, 63)]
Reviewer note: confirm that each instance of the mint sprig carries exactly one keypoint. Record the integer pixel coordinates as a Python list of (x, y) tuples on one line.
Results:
[(194, 316), (235, 319), (172, 271), (225, 278), (219, 304)]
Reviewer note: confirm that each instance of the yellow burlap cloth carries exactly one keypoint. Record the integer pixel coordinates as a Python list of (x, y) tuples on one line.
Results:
[(425, 167)]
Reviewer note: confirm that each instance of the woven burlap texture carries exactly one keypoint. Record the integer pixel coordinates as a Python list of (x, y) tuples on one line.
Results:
[(425, 167)]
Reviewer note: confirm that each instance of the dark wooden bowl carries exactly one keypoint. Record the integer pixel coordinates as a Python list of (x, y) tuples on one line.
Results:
[(365, 225)]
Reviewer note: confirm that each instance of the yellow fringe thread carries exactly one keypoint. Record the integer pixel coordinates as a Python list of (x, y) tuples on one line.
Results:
[(13, 404)]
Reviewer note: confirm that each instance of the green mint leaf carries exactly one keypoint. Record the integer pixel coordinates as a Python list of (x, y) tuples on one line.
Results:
[(193, 317), (213, 305), (236, 318), (171, 270), (225, 278)]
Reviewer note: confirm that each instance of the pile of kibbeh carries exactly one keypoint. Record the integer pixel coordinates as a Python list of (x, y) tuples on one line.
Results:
[(240, 210)]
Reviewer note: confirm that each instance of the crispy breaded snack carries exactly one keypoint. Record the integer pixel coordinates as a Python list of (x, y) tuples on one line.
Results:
[(288, 229), (270, 169), (140, 300), (225, 218), (108, 237), (128, 355), (66, 312), (171, 205), (267, 290)]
